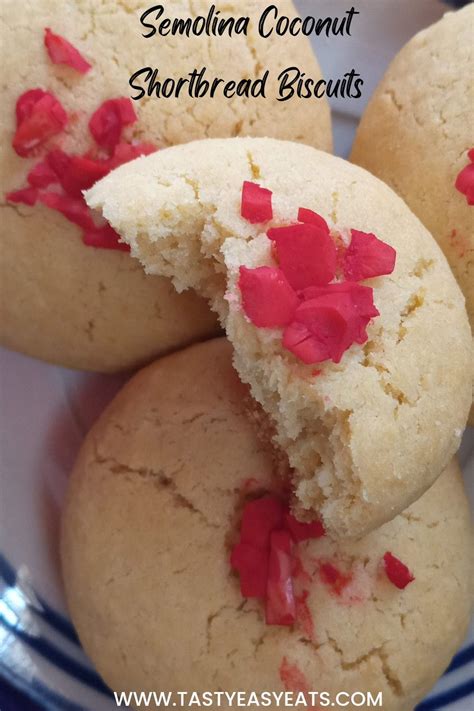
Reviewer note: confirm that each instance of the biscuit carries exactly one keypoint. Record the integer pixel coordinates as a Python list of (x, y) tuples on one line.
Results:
[(366, 436), (92, 308), (152, 510), (416, 133)]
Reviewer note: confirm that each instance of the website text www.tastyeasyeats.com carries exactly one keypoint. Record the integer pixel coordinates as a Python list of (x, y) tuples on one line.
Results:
[(251, 699), (156, 24)]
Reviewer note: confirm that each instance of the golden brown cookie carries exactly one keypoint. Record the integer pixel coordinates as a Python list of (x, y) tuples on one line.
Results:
[(417, 131), (365, 435), (152, 512), (93, 308)]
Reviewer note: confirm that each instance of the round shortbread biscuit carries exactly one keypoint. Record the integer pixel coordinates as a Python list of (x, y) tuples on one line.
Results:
[(365, 436), (416, 133), (417, 130), (152, 511), (92, 308)]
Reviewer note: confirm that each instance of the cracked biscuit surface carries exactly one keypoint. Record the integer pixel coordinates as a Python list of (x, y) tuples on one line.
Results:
[(417, 130), (153, 509), (95, 309), (370, 434), (416, 133)]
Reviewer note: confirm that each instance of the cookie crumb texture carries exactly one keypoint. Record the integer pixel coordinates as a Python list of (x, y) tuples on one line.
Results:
[(417, 131), (365, 436), (90, 308), (147, 532)]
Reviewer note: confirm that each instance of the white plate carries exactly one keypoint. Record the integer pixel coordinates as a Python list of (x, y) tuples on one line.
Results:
[(46, 411)]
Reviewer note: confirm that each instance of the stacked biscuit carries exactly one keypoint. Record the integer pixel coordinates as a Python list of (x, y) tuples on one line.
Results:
[(95, 309), (358, 438), (153, 512), (417, 136), (278, 509)]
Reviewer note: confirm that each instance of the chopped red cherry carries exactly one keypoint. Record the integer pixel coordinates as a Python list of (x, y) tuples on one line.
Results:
[(293, 679), (125, 152), (259, 519), (301, 531), (104, 237), (42, 175), (109, 120), (312, 218), (76, 173), (252, 565), (25, 103), (361, 296), (332, 316), (280, 606), (40, 116), (367, 257), (354, 301), (306, 254), (316, 334), (27, 196), (75, 210), (397, 572), (267, 298), (61, 51), (256, 205), (465, 183)]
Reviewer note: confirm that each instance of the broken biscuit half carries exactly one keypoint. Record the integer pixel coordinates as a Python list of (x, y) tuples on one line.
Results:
[(354, 338)]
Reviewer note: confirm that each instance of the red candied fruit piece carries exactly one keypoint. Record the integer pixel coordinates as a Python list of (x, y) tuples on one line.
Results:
[(465, 183), (61, 51), (397, 572), (310, 217), (259, 519), (25, 103), (108, 121), (303, 531), (267, 298), (306, 254), (42, 175), (58, 161), (125, 152), (252, 564), (75, 210), (367, 257), (354, 301), (334, 578), (40, 116), (356, 320), (256, 205), (292, 678), (27, 196), (303, 614), (362, 296), (82, 173), (470, 155), (356, 324), (280, 605), (316, 333), (76, 173), (104, 237)]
